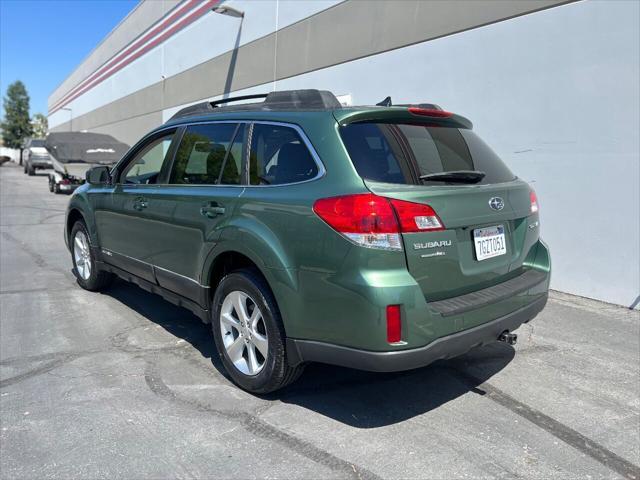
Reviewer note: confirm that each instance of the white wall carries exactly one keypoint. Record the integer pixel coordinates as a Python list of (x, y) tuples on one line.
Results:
[(206, 38), (556, 93)]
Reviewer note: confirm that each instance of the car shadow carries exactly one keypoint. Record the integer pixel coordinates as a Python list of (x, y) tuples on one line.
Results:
[(356, 398), (177, 321)]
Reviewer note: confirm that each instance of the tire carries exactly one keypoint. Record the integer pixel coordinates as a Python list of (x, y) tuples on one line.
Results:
[(87, 274), (30, 170), (234, 341), (51, 184)]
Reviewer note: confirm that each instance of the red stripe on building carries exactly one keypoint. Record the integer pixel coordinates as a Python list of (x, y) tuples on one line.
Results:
[(116, 64)]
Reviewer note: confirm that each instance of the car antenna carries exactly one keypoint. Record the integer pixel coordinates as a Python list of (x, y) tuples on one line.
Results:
[(385, 103)]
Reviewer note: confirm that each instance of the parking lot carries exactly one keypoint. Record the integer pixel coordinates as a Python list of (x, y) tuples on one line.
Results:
[(126, 385)]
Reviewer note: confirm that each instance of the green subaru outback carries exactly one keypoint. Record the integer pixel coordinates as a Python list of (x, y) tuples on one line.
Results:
[(378, 237)]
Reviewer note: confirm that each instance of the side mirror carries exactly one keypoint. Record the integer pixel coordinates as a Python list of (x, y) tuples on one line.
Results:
[(98, 175)]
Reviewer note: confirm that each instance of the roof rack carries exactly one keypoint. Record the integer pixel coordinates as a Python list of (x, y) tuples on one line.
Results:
[(282, 100)]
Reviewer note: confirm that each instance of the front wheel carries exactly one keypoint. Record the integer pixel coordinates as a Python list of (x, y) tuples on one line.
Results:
[(30, 170), (249, 334), (84, 261)]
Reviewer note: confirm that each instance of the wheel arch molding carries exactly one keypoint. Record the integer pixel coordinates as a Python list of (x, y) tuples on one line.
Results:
[(236, 254), (79, 209)]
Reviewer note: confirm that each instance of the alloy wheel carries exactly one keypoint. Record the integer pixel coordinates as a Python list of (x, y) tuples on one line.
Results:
[(244, 333), (82, 255)]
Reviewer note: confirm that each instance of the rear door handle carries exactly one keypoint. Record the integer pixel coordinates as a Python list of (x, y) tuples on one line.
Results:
[(211, 210), (140, 203)]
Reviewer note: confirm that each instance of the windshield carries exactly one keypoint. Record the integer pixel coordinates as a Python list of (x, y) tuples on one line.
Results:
[(402, 153), (37, 143)]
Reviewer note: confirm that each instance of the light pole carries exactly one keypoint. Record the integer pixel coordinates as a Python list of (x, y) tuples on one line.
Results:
[(231, 12), (70, 117), (228, 10)]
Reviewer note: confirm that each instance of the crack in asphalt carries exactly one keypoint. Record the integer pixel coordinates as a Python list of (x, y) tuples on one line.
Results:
[(37, 258), (47, 367), (559, 430), (57, 359), (258, 427)]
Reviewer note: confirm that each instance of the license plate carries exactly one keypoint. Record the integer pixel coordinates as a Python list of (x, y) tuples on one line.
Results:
[(489, 242)]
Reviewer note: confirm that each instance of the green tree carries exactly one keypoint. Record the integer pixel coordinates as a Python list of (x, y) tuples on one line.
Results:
[(40, 125), (17, 124)]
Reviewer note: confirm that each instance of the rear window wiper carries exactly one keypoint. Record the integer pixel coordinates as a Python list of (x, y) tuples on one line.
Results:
[(455, 176)]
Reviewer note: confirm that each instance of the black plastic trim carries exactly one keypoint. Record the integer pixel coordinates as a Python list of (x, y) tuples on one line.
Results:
[(168, 295), (299, 351), (183, 286), (487, 296), (127, 264)]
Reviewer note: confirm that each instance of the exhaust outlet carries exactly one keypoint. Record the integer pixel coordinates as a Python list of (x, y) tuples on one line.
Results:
[(509, 338)]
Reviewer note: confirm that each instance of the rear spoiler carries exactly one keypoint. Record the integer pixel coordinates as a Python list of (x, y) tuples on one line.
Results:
[(403, 114)]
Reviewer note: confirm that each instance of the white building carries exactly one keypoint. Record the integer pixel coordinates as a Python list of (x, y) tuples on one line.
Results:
[(552, 85)]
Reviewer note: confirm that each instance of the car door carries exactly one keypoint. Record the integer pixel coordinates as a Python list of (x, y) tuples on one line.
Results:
[(130, 219), (203, 186)]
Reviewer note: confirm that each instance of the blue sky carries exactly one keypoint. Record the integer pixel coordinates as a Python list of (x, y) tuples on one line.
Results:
[(42, 41)]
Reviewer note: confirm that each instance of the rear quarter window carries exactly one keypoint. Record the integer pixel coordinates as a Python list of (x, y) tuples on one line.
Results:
[(279, 156), (401, 153)]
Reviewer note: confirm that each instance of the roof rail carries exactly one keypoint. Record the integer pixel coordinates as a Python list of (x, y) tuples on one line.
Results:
[(222, 101), (282, 100)]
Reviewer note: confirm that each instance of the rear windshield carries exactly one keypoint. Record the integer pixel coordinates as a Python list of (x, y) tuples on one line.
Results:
[(37, 143), (401, 153)]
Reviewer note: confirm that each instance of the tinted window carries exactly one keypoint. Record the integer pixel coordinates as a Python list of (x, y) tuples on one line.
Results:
[(400, 153), (278, 155), (147, 164), (208, 155), (37, 143)]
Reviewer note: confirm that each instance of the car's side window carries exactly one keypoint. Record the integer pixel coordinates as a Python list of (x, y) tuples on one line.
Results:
[(147, 164), (209, 155), (278, 156)]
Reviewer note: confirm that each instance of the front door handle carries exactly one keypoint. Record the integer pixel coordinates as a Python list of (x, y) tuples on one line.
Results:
[(140, 203), (211, 210)]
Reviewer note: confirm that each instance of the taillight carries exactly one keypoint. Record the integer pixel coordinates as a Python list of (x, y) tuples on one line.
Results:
[(394, 324), (65, 181), (416, 217), (365, 219), (534, 201), (376, 222), (429, 112)]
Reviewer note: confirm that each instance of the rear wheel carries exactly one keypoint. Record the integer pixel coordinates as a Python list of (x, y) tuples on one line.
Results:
[(249, 334), (84, 262), (50, 184)]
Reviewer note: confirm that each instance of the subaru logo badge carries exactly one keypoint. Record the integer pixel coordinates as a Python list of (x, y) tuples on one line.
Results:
[(496, 203)]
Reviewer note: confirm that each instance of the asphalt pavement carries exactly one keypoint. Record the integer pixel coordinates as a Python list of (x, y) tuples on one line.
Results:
[(122, 384)]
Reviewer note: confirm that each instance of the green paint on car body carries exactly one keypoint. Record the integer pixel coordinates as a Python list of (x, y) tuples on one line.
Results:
[(328, 289)]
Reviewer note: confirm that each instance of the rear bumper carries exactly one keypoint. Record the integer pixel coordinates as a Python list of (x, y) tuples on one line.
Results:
[(41, 163), (449, 346)]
